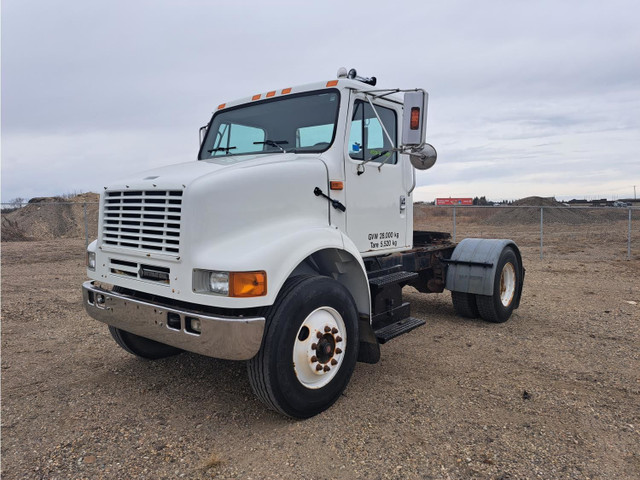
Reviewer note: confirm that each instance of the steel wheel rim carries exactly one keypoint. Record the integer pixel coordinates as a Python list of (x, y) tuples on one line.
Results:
[(507, 284), (319, 346)]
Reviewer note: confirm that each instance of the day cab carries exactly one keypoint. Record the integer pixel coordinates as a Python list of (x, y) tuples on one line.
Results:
[(287, 242)]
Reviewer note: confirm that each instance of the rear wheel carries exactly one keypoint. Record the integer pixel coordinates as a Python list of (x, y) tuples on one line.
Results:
[(497, 308), (465, 304), (309, 349)]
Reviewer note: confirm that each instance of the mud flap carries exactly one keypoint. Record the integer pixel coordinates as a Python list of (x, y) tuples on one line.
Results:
[(473, 263)]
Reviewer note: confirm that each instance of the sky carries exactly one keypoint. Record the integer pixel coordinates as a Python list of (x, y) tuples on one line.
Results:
[(526, 98)]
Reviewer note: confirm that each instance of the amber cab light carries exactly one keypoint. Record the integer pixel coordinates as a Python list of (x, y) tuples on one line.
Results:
[(336, 185), (247, 284)]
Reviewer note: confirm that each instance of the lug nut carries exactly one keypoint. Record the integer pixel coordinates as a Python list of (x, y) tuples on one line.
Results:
[(314, 346), (338, 338), (314, 359), (334, 330), (334, 361), (327, 329), (327, 368), (319, 334), (318, 367), (338, 350)]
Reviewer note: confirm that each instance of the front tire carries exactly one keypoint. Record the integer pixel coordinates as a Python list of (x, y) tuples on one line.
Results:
[(497, 308), (309, 348)]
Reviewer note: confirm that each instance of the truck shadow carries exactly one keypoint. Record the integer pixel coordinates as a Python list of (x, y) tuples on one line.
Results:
[(189, 388)]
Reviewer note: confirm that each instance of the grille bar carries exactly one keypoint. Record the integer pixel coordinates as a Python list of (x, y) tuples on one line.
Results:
[(147, 220)]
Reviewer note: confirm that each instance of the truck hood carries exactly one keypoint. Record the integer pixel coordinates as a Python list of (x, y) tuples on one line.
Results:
[(181, 175)]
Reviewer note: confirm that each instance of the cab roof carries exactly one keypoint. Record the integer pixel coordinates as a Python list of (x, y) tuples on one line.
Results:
[(339, 83)]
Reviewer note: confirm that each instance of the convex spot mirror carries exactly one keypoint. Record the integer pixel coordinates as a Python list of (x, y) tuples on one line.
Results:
[(423, 157)]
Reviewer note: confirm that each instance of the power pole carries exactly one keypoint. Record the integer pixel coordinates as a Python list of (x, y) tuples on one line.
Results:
[(634, 192)]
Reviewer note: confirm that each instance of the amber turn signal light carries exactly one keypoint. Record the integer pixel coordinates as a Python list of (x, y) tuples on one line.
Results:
[(415, 118), (247, 284)]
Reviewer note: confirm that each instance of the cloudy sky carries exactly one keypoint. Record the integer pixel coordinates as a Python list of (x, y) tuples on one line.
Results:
[(526, 98)]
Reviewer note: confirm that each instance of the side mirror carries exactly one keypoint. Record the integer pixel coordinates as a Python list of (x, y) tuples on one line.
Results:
[(414, 121), (423, 157), (203, 132)]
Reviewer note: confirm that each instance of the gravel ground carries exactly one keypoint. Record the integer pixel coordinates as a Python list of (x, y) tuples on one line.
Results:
[(553, 393)]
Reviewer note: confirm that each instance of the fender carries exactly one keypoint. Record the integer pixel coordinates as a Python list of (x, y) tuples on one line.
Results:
[(282, 257), (473, 263)]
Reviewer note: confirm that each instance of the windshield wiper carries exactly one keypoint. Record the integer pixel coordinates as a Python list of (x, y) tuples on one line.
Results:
[(273, 143), (219, 149)]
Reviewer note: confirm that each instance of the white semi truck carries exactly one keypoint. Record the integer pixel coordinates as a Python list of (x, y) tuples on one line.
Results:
[(288, 242)]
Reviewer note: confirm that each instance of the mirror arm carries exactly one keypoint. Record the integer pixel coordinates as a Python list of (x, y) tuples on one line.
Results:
[(384, 129), (393, 145)]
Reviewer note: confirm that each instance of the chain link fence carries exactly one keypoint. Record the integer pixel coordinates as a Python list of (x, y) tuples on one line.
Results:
[(612, 232)]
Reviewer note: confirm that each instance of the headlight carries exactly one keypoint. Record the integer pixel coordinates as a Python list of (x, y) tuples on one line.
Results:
[(91, 260), (230, 284), (219, 282)]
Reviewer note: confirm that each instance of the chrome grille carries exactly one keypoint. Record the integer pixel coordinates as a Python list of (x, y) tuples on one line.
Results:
[(147, 220)]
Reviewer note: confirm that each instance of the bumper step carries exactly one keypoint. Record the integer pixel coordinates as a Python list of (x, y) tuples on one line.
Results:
[(398, 328), (398, 278)]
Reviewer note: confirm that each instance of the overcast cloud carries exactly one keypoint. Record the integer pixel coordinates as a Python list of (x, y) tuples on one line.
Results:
[(526, 98)]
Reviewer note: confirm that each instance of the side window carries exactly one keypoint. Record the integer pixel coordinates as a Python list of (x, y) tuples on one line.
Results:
[(239, 137), (367, 140)]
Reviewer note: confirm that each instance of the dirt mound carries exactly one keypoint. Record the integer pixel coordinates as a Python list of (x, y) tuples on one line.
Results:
[(52, 217), (537, 202), (524, 211)]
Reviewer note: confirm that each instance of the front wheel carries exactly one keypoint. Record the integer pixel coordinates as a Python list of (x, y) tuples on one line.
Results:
[(309, 349), (497, 308)]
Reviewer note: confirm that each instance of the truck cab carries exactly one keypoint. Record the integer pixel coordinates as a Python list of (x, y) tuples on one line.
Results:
[(287, 242)]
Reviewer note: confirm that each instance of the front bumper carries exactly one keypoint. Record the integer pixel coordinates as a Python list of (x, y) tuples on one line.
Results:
[(230, 338)]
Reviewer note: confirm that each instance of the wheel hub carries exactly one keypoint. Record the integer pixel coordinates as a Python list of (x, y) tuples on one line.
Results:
[(507, 284), (318, 347), (325, 349)]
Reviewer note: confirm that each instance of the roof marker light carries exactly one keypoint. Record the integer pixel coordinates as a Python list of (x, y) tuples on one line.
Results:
[(256, 97), (271, 94), (221, 106), (332, 83), (286, 90)]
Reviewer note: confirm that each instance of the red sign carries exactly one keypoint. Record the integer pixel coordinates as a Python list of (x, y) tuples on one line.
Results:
[(454, 201)]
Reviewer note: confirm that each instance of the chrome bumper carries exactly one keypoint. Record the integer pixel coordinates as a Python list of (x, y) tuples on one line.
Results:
[(231, 338)]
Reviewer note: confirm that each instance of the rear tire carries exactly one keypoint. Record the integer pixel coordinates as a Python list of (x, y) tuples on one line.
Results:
[(465, 304), (142, 347), (497, 308), (288, 374)]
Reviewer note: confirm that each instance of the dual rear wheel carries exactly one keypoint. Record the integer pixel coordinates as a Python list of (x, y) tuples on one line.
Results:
[(495, 308)]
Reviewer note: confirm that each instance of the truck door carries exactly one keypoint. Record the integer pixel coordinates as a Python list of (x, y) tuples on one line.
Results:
[(376, 188)]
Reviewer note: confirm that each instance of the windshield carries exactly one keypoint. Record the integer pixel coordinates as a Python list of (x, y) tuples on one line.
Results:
[(303, 123)]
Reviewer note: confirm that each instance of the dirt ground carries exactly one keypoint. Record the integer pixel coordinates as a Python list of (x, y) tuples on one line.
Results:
[(553, 393)]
